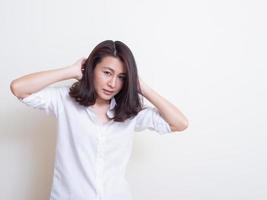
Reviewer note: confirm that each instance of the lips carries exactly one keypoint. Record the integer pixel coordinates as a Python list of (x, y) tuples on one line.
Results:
[(108, 92)]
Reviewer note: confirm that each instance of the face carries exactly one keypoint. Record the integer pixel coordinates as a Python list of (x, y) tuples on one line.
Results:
[(109, 77)]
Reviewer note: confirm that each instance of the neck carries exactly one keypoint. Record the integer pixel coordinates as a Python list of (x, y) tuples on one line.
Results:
[(102, 102)]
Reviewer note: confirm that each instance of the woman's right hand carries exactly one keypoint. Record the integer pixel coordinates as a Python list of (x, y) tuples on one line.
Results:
[(77, 68)]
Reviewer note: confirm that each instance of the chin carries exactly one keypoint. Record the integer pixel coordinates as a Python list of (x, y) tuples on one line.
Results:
[(105, 97)]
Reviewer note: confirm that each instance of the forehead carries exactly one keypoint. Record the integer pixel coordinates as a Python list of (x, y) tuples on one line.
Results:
[(113, 64)]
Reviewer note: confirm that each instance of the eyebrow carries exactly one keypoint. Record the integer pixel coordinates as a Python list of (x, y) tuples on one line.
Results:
[(113, 70)]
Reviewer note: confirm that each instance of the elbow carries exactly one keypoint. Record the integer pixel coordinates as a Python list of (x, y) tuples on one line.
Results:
[(13, 88), (180, 127), (183, 126)]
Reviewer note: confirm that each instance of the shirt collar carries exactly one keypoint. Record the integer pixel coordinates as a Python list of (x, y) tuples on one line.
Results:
[(110, 112), (112, 104)]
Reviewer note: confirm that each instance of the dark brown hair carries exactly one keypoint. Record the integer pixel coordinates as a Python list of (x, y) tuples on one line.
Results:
[(128, 101)]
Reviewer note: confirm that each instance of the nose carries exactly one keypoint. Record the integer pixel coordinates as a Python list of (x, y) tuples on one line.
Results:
[(112, 82)]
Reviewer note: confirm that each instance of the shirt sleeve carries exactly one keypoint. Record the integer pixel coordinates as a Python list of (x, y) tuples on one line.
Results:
[(46, 100), (150, 118)]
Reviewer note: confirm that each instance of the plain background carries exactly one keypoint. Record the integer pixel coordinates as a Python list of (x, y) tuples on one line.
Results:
[(206, 57)]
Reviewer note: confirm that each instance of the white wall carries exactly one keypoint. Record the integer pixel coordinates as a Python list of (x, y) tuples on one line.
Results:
[(207, 57)]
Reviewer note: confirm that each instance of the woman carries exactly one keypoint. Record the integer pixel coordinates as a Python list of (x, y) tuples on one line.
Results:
[(97, 117)]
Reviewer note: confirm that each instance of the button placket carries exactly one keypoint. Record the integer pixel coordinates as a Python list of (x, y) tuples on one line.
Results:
[(100, 159)]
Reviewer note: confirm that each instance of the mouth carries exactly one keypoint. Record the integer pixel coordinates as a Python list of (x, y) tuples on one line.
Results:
[(108, 92)]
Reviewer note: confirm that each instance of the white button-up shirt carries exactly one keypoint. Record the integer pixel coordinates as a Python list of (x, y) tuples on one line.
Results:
[(91, 157)]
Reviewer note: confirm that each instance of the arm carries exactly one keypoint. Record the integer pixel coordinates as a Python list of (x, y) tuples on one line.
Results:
[(169, 112), (28, 84)]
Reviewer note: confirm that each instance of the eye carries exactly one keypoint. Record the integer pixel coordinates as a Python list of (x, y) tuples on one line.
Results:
[(123, 78), (107, 73)]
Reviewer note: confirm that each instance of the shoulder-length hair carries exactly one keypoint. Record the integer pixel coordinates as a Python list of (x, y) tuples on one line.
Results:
[(128, 101)]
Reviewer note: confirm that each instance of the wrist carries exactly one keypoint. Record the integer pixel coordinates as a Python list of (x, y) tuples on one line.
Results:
[(69, 72), (145, 89)]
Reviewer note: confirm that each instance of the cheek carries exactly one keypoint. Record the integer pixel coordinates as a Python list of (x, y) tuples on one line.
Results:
[(99, 79)]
